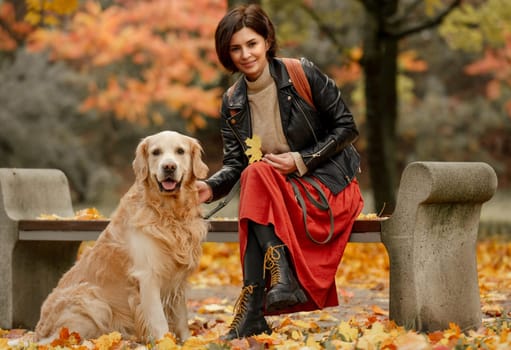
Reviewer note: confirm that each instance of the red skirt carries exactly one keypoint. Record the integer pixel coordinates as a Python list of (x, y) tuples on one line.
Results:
[(268, 198)]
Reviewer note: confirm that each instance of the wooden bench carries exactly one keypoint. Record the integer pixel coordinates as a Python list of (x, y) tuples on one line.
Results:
[(430, 238), (220, 230)]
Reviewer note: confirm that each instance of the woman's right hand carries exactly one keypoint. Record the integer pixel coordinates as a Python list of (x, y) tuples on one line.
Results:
[(205, 192)]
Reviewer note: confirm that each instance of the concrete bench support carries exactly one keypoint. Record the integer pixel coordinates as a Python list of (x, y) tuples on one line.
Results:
[(29, 270), (431, 241)]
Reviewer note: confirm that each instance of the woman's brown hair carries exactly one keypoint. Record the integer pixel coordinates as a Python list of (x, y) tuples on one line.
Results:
[(250, 16)]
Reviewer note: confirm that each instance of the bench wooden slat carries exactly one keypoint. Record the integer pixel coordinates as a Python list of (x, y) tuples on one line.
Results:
[(220, 230), (360, 226), (62, 225)]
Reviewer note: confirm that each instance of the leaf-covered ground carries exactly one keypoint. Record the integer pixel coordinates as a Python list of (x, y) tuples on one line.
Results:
[(360, 322)]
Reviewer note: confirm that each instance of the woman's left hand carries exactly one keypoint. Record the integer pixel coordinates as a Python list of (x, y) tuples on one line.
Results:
[(284, 162)]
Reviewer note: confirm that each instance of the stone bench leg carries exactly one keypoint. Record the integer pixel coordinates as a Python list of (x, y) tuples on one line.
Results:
[(431, 241), (30, 270), (36, 269)]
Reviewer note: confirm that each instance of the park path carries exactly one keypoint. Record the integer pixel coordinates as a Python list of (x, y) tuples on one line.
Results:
[(215, 303)]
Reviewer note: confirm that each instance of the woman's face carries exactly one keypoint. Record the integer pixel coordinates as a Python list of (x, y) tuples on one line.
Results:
[(248, 52)]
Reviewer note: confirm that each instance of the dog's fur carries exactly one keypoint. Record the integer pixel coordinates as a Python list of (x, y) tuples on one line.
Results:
[(133, 280)]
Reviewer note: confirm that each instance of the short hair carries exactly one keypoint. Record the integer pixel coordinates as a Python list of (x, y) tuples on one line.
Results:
[(250, 16)]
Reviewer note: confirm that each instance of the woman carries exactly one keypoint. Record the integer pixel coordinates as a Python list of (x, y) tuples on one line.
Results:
[(288, 265)]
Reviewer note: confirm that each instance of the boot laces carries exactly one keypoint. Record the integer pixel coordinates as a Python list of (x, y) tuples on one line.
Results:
[(271, 259), (241, 307)]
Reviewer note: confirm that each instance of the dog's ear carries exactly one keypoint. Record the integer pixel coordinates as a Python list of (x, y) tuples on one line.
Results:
[(140, 166), (199, 168)]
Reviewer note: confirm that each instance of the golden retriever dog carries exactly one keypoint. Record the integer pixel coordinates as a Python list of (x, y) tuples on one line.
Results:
[(133, 280)]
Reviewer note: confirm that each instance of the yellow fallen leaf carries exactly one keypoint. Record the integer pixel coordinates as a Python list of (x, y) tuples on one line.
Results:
[(374, 335), (88, 214), (347, 332), (379, 311), (286, 322), (411, 341), (83, 214), (504, 337), (211, 309), (270, 339), (195, 343), (296, 335), (306, 325), (312, 344), (106, 341), (168, 342), (326, 316), (369, 216)]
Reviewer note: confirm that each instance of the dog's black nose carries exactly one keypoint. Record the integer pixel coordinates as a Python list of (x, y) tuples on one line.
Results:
[(169, 167)]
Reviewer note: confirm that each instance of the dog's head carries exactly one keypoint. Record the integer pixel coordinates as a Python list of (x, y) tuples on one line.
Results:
[(169, 160)]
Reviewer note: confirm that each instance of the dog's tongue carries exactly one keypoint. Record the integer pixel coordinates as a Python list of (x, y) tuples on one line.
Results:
[(169, 185)]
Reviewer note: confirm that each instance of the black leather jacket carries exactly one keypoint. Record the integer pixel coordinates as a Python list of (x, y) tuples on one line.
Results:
[(322, 135)]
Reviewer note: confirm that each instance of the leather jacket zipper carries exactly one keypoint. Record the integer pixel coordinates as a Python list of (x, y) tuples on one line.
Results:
[(318, 153), (340, 169)]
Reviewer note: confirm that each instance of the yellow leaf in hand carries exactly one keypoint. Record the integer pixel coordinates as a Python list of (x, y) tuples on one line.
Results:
[(253, 151)]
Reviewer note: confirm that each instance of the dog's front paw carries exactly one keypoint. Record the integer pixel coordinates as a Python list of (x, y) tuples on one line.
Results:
[(182, 335), (158, 332)]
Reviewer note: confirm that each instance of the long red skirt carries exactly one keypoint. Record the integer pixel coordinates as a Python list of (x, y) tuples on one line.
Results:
[(268, 198)]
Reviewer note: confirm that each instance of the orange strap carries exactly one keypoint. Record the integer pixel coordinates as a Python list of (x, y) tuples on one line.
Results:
[(298, 78)]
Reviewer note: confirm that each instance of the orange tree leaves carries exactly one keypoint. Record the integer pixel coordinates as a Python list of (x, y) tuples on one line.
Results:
[(143, 54), (496, 64), (484, 27), (12, 32)]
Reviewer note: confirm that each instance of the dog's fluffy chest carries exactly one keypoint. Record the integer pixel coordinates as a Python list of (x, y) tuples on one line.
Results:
[(162, 252)]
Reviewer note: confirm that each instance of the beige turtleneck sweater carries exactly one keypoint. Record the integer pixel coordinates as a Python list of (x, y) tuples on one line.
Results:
[(266, 120)]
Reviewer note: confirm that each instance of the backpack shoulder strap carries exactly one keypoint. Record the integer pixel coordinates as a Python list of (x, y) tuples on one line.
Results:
[(298, 78)]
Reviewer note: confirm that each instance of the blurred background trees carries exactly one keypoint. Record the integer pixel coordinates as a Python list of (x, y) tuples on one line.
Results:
[(83, 81)]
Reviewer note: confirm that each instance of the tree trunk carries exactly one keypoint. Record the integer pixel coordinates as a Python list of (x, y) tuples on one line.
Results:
[(380, 74)]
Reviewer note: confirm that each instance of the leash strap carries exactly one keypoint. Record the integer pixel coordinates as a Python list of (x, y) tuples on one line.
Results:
[(322, 204), (225, 201)]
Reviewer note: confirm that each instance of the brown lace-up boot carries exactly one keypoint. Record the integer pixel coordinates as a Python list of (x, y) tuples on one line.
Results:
[(249, 318), (284, 290)]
